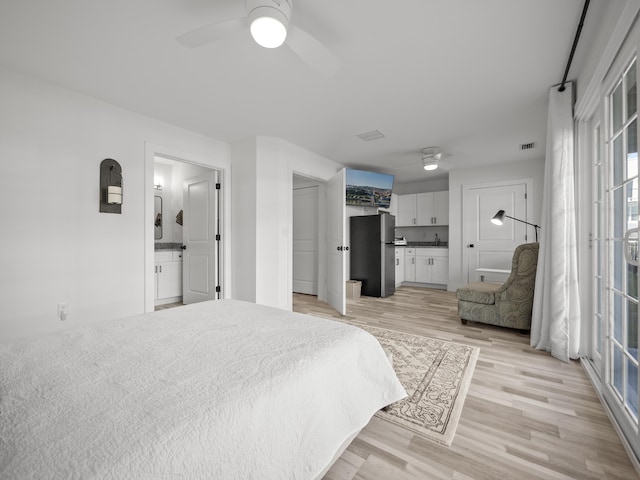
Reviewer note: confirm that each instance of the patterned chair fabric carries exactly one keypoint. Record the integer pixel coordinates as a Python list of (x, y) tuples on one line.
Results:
[(506, 305)]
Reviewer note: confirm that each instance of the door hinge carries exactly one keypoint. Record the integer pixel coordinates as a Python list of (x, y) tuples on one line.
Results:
[(218, 289), (217, 186), (217, 237), (525, 196)]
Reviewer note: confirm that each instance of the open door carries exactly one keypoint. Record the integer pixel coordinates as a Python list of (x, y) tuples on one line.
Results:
[(200, 224), (336, 244)]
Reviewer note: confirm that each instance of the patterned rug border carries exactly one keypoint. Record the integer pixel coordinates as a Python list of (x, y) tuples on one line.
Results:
[(462, 388)]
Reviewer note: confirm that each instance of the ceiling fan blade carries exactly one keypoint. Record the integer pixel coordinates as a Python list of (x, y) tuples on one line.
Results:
[(212, 33), (312, 52)]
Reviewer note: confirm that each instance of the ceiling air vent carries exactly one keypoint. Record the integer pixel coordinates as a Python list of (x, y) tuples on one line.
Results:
[(372, 135), (528, 146)]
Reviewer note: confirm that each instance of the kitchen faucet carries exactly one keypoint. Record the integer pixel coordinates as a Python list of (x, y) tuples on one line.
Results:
[(437, 240)]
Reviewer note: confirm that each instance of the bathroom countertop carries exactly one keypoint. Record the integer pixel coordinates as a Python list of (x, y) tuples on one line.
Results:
[(160, 246)]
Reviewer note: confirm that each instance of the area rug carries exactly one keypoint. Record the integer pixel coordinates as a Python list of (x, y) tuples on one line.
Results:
[(436, 375)]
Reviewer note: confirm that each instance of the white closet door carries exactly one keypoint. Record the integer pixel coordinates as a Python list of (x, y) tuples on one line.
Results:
[(305, 240), (336, 242)]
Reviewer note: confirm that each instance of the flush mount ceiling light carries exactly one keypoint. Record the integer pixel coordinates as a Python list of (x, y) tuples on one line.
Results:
[(429, 163), (431, 157), (269, 23)]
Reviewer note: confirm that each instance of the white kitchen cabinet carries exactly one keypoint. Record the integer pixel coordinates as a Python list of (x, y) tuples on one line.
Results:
[(399, 265), (440, 270), (168, 276), (423, 209), (406, 211), (432, 208), (432, 265), (409, 264), (441, 208)]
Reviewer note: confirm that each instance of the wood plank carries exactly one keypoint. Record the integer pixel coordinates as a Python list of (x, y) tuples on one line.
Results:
[(526, 416)]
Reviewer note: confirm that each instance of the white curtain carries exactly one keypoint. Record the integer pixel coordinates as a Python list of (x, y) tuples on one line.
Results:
[(555, 326)]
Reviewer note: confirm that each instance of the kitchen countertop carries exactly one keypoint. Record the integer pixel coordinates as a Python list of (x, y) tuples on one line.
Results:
[(425, 244)]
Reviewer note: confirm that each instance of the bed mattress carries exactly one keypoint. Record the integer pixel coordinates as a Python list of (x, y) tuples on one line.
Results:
[(217, 390)]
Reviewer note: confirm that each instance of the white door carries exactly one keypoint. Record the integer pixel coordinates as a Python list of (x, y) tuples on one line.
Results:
[(305, 240), (490, 246), (200, 222), (336, 268)]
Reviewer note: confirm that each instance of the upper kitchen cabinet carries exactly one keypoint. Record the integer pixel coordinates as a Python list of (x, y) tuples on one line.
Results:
[(406, 216), (432, 208), (423, 209)]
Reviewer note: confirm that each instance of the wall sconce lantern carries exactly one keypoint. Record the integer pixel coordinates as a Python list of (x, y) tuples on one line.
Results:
[(110, 186)]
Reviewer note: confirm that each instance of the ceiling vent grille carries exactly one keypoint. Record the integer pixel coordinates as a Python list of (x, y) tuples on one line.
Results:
[(528, 146), (372, 135)]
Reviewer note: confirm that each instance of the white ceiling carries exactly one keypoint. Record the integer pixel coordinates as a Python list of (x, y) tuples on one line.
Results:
[(470, 76)]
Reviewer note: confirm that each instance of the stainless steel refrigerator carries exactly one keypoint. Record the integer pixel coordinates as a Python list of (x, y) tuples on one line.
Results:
[(372, 254)]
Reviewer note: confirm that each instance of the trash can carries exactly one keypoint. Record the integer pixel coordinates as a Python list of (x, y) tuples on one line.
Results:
[(353, 288)]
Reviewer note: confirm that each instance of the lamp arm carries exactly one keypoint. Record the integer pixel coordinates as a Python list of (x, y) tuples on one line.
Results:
[(518, 220), (522, 221)]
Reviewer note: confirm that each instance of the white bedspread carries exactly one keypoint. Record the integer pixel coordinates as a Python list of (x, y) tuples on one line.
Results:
[(215, 390)]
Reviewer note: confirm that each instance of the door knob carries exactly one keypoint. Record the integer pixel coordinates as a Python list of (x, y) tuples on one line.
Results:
[(470, 245)]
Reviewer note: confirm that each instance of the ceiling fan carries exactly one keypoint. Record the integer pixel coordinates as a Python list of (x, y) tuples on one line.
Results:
[(269, 24), (432, 158)]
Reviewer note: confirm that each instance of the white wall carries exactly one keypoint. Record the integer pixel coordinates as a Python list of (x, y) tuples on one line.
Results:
[(429, 185), (56, 246), (262, 217), (243, 219), (478, 176)]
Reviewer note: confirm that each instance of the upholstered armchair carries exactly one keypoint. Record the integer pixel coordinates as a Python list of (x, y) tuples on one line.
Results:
[(508, 304)]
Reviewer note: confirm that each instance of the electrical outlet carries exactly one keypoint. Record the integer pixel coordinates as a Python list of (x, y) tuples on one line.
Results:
[(62, 311)]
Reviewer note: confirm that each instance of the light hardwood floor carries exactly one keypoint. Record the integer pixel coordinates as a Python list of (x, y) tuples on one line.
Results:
[(526, 415)]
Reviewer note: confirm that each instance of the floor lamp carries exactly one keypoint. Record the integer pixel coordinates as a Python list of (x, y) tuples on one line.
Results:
[(498, 217)]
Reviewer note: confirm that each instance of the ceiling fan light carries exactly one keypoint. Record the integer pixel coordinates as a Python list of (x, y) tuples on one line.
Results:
[(268, 26), (429, 163)]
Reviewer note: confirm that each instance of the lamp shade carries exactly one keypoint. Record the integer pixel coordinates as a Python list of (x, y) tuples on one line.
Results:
[(498, 217), (268, 26)]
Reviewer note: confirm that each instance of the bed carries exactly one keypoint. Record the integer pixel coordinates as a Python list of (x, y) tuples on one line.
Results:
[(218, 390)]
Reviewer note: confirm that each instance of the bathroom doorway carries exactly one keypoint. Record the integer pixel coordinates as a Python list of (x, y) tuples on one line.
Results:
[(183, 264)]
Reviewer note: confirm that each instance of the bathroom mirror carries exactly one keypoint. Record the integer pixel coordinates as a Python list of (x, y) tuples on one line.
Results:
[(157, 217)]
